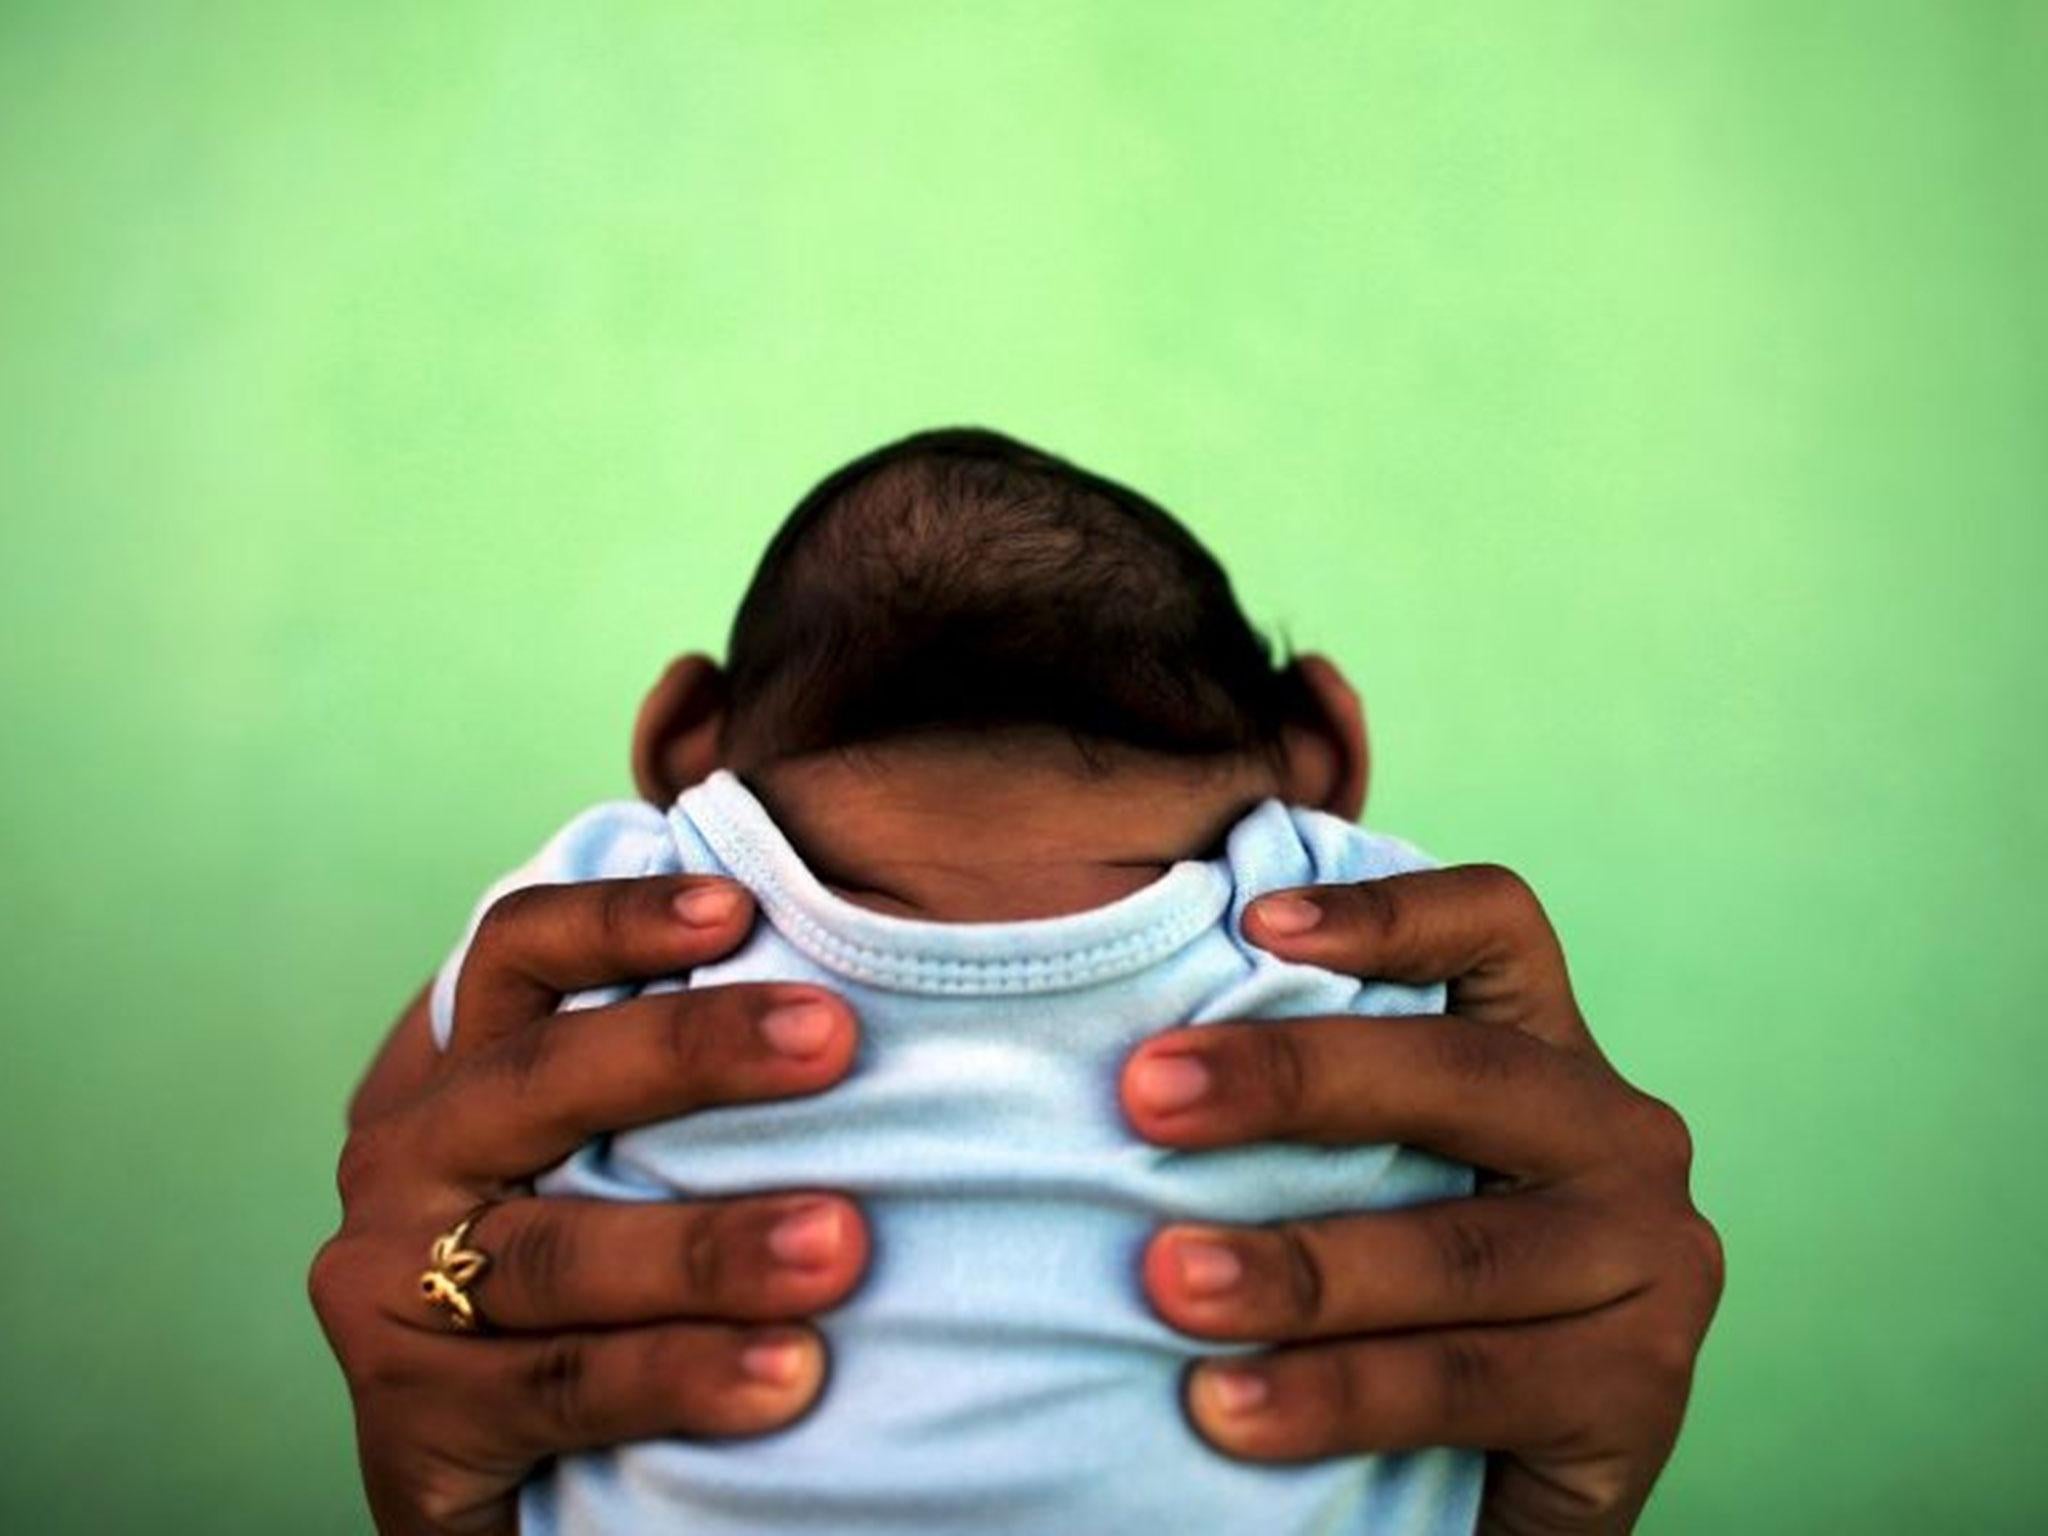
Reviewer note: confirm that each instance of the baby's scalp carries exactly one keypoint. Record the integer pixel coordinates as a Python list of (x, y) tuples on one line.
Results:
[(980, 683), (960, 580)]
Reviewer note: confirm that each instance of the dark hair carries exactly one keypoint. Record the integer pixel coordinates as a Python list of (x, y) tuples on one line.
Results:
[(961, 580)]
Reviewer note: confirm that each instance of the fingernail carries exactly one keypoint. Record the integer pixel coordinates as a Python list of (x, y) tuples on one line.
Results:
[(1207, 1267), (1285, 916), (1233, 1390), (810, 1237), (778, 1360), (799, 1029), (709, 905), (1167, 1083)]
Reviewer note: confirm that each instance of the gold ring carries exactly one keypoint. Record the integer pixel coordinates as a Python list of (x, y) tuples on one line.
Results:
[(451, 1269)]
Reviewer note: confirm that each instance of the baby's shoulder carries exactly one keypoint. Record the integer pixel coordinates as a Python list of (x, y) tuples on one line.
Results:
[(613, 840), (1278, 847), (1281, 845)]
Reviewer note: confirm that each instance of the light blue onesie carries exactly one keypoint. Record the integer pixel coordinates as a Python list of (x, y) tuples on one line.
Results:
[(998, 1370)]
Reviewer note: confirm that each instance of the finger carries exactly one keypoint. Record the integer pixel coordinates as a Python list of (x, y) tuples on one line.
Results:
[(539, 943), (1470, 1092), (1482, 1388), (1507, 1258), (1476, 927), (531, 1100), (583, 1391), (558, 1264)]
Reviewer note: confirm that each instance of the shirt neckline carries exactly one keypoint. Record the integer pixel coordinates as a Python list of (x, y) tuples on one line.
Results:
[(1048, 954)]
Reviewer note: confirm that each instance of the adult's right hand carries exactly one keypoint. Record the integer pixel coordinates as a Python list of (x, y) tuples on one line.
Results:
[(606, 1322)]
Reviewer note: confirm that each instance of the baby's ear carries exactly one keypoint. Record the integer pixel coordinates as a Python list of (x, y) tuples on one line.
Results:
[(1328, 760), (677, 739)]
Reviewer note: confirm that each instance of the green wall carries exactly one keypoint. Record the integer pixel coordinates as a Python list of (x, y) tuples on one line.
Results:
[(1646, 401)]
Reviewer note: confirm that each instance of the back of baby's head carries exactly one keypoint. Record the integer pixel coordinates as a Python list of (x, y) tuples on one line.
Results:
[(959, 581)]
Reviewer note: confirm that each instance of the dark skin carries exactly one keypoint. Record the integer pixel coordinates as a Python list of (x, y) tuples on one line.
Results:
[(1554, 1321)]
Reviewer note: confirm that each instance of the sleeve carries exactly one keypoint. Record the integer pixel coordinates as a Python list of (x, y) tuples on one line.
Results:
[(620, 839)]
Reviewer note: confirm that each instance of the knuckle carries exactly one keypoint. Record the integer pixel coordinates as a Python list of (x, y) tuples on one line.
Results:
[(1505, 888), (1278, 1053), (1520, 918), (703, 1259), (1468, 1254), (1465, 1053), (678, 1366), (1669, 1351), (557, 1380), (688, 1036), (1339, 1395), (1709, 1256), (1302, 1272), (1374, 911), (527, 1056), (538, 1253), (369, 1347), (382, 1371), (617, 911), (327, 1285), (503, 918), (363, 1157), (379, 1363), (1662, 1133), (1463, 1374)]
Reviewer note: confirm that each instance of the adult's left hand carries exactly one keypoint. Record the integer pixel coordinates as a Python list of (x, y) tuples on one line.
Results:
[(1554, 1320)]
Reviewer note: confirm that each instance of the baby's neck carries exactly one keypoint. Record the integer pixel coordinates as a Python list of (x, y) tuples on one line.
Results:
[(981, 830)]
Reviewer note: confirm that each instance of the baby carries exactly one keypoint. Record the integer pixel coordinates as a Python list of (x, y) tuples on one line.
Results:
[(1002, 762)]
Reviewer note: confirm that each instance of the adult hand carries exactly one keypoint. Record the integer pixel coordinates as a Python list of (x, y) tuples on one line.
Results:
[(606, 1322), (1554, 1320)]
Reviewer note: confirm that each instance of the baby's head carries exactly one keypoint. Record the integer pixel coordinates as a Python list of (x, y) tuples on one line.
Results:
[(959, 595)]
